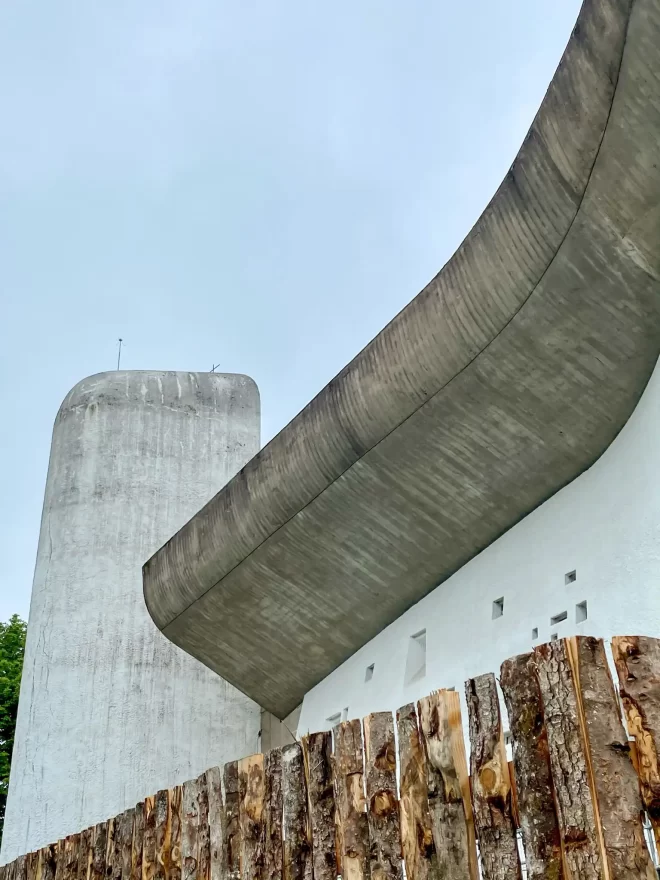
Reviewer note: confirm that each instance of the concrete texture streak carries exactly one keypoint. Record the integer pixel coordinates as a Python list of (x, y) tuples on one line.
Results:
[(501, 382), (110, 710)]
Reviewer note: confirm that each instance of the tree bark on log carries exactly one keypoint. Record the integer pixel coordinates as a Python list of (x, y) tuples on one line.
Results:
[(99, 844), (138, 843), (214, 790), (637, 661), (168, 834), (231, 838), (127, 822), (317, 754), (250, 816), (32, 866), (273, 815), (70, 859), (448, 785), (83, 871), (417, 842), (149, 850), (203, 832), (59, 862), (614, 779), (531, 759), (569, 762), (110, 848), (20, 871), (117, 848), (352, 822), (385, 852), (297, 860), (190, 836), (491, 786)]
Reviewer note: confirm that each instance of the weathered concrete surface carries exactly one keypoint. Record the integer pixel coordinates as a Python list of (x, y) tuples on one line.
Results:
[(110, 710), (506, 377)]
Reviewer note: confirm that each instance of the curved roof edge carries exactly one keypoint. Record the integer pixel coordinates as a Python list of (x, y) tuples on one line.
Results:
[(506, 377)]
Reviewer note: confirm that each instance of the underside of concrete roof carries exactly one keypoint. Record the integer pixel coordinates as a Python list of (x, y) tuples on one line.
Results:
[(503, 380)]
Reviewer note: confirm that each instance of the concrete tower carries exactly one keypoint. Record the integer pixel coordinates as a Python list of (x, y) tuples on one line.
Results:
[(110, 710)]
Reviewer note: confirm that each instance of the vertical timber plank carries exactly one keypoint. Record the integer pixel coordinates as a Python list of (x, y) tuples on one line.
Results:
[(85, 852), (204, 869), (99, 844), (448, 785), (70, 858), (163, 810), (117, 847), (32, 865), (20, 869), (251, 791), (273, 815), (137, 842), (614, 779), (531, 760), (385, 853), (190, 830), (416, 831), (491, 786), (568, 762), (110, 848), (297, 852), (637, 661), (214, 789), (231, 838), (59, 861), (317, 754), (149, 847), (175, 857), (352, 822)]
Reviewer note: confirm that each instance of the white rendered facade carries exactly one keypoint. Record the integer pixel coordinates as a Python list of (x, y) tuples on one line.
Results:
[(604, 527), (110, 710)]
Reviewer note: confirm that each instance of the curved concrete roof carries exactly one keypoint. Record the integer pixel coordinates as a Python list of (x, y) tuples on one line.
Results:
[(506, 377)]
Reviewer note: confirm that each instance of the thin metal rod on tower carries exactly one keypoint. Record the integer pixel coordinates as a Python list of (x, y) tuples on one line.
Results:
[(119, 352)]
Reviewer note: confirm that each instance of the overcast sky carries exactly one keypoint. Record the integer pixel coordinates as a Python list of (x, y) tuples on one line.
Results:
[(259, 185)]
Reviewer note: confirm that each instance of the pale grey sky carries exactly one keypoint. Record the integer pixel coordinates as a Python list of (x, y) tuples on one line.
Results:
[(260, 185)]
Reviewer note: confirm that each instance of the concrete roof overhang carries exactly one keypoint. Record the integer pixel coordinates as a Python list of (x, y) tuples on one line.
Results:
[(506, 377)]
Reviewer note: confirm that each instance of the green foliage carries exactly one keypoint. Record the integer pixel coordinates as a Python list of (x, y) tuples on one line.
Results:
[(12, 648)]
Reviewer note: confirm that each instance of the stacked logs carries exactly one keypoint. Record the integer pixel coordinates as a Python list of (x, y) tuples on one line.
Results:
[(370, 798)]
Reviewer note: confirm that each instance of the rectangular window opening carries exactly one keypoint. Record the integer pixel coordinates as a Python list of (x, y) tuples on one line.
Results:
[(554, 637), (344, 714), (581, 612), (498, 607), (334, 720), (558, 618), (416, 659), (535, 633), (570, 577), (369, 672)]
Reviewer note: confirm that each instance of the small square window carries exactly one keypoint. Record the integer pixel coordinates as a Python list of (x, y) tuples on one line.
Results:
[(369, 672), (570, 577), (554, 637), (581, 612), (498, 608), (558, 618), (344, 714), (334, 720), (535, 633)]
